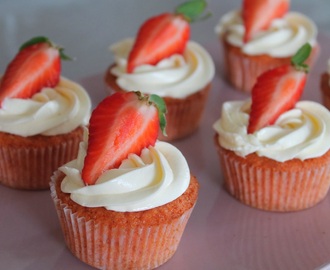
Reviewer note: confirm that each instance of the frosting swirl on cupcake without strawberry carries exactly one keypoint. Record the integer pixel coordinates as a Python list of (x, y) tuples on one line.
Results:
[(302, 132), (177, 76), (158, 176), (51, 111), (282, 39)]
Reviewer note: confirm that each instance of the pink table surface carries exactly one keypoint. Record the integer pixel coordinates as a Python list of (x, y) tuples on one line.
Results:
[(221, 234)]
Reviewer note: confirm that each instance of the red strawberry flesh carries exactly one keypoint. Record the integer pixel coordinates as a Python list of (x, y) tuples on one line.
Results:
[(275, 92), (258, 15), (33, 68), (120, 125), (158, 38)]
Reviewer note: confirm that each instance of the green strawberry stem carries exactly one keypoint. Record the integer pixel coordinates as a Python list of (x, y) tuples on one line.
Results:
[(42, 39), (192, 10), (160, 105), (300, 57)]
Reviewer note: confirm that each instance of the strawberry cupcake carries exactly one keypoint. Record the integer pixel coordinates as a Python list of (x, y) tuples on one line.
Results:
[(325, 87), (161, 60), (260, 36), (125, 200), (274, 149), (41, 116)]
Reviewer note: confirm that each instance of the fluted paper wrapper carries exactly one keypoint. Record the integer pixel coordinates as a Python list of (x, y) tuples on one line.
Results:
[(183, 115), (242, 70), (124, 247), (268, 188), (31, 166)]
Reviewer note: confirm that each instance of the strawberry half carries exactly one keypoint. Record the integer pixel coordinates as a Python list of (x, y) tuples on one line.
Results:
[(164, 35), (122, 124), (258, 14), (36, 65), (278, 90)]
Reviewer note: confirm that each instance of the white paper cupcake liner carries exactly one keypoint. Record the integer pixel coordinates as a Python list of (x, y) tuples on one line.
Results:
[(31, 167), (270, 189), (123, 247)]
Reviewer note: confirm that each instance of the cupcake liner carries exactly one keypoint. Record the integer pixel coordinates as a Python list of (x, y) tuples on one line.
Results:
[(325, 89), (183, 115), (30, 165), (275, 186), (121, 247), (242, 70)]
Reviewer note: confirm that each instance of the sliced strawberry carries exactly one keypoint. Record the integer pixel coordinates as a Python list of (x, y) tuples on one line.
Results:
[(35, 66), (121, 124), (164, 35), (278, 90), (258, 14)]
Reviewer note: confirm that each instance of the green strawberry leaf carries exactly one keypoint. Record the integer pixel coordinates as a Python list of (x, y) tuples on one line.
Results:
[(192, 10), (161, 107), (301, 56)]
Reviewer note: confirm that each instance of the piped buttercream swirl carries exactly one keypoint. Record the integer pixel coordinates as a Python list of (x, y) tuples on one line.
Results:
[(51, 111), (156, 177), (177, 76), (282, 39), (302, 132)]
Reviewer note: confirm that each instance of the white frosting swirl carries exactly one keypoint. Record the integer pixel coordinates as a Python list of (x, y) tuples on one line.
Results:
[(51, 111), (177, 76), (301, 133), (156, 177), (282, 39)]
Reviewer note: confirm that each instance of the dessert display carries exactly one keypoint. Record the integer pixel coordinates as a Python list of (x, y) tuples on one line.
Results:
[(274, 149), (325, 87), (260, 36), (162, 60), (41, 116), (124, 201)]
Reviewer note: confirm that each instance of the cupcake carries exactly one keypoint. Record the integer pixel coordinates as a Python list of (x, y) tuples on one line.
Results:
[(260, 37), (41, 116), (274, 149), (180, 70), (124, 202), (325, 87)]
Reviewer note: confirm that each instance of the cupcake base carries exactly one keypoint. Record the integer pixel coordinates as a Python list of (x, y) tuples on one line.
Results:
[(107, 239), (242, 70), (29, 162), (325, 88), (183, 115), (266, 184)]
